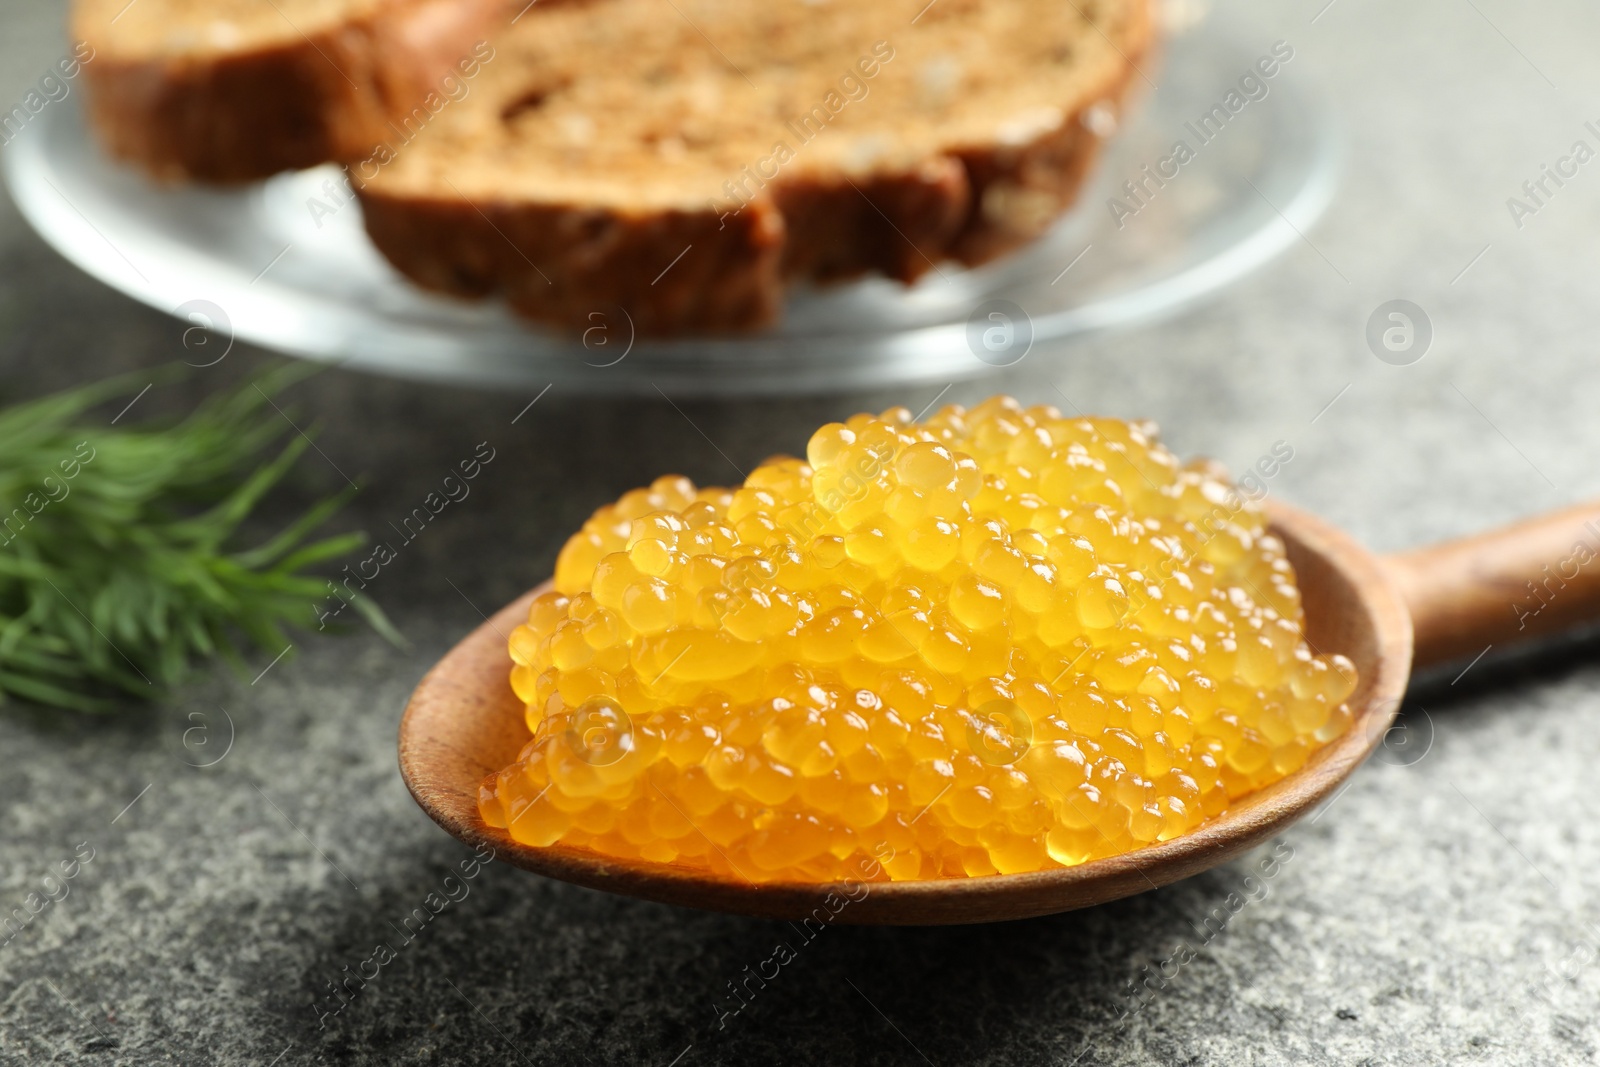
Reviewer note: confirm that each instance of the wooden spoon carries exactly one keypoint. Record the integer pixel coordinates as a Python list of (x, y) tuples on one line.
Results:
[(1449, 601)]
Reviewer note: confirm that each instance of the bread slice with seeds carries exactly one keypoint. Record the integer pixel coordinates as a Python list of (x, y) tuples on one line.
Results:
[(233, 90), (688, 160)]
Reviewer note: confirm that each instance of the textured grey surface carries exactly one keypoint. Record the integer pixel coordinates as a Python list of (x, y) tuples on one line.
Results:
[(1438, 912)]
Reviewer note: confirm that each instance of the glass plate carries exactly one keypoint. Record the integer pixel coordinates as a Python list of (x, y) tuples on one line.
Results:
[(255, 263)]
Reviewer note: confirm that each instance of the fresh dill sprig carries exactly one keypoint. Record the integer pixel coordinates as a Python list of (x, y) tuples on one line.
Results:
[(120, 565)]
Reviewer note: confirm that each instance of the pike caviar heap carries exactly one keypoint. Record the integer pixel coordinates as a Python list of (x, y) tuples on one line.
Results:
[(1001, 640)]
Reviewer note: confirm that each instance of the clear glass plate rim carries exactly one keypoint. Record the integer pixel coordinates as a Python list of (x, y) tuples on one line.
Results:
[(718, 364)]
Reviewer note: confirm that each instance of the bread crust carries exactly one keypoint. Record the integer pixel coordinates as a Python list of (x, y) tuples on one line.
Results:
[(662, 272), (242, 116), (970, 206), (891, 224)]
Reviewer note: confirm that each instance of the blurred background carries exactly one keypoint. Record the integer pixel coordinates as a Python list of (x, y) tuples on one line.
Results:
[(1440, 909)]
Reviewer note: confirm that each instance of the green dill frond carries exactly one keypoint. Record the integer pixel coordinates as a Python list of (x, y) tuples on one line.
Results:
[(120, 557)]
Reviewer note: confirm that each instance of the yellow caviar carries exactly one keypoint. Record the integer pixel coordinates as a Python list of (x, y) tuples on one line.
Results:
[(1000, 640)]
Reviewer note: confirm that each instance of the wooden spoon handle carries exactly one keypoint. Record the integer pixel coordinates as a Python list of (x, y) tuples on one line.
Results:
[(1502, 587)]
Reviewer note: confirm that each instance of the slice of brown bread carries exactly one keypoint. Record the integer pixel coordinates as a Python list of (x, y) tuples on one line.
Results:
[(233, 90), (688, 159)]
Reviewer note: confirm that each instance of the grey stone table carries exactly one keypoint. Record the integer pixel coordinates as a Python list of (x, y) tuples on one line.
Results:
[(1443, 909)]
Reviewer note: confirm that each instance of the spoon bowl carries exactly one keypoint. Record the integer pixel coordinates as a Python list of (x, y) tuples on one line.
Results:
[(463, 723)]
